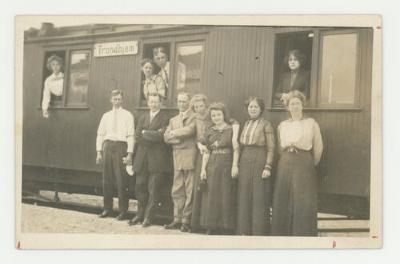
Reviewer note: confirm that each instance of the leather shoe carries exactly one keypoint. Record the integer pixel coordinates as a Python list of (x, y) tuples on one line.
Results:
[(136, 220), (173, 225), (146, 223), (105, 214), (122, 216), (185, 228)]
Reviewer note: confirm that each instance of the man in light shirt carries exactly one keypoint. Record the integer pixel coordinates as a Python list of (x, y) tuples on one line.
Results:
[(114, 145)]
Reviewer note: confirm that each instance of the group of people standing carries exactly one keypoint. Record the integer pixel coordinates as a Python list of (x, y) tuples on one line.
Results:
[(222, 171), (222, 177)]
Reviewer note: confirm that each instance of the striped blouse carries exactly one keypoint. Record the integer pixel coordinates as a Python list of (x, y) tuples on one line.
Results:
[(259, 132)]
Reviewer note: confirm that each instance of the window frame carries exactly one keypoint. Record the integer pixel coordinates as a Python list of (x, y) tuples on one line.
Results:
[(66, 70), (173, 41), (175, 67), (315, 69), (356, 103)]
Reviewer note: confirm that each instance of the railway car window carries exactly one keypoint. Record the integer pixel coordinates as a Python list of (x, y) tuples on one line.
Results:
[(53, 83), (156, 70), (77, 89), (338, 76), (293, 54), (188, 67)]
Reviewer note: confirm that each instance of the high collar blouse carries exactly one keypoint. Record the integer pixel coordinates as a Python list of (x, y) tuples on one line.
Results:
[(53, 85), (303, 134), (259, 132)]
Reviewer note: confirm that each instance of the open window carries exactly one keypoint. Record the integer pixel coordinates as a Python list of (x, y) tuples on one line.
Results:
[(69, 87), (177, 66), (293, 57), (329, 67)]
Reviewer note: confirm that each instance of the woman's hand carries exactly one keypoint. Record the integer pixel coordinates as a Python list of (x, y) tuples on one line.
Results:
[(235, 171), (284, 97), (214, 145), (99, 158), (266, 173), (46, 114), (203, 175), (201, 148)]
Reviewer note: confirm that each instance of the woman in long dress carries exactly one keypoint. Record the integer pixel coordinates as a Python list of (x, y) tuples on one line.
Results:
[(199, 104), (294, 210), (257, 143), (219, 169)]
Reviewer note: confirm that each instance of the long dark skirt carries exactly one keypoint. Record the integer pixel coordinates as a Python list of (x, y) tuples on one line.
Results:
[(294, 210), (199, 195), (220, 201), (254, 193)]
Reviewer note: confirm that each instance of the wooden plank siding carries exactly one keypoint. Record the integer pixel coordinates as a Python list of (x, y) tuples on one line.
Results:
[(238, 63)]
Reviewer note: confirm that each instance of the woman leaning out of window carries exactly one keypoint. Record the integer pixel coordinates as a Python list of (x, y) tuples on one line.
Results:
[(53, 85)]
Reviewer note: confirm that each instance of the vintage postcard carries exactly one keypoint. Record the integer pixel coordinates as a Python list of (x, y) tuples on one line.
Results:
[(198, 132)]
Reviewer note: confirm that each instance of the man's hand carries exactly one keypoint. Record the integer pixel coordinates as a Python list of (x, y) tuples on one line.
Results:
[(266, 173), (203, 175), (128, 159), (99, 158), (235, 172)]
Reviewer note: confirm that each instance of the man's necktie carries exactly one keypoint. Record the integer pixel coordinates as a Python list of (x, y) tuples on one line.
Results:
[(115, 122)]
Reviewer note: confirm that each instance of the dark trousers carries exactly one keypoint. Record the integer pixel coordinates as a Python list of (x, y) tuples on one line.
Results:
[(114, 173), (147, 190)]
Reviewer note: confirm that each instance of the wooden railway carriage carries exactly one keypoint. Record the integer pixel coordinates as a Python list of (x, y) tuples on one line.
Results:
[(227, 64)]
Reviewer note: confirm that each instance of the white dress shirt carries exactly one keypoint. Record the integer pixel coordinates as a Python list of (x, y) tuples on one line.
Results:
[(153, 114), (116, 125), (53, 85)]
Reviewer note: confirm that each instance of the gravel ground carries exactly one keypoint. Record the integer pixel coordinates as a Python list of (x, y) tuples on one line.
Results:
[(44, 219)]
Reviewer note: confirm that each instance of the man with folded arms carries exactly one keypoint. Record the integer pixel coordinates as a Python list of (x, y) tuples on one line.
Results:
[(151, 161), (184, 154)]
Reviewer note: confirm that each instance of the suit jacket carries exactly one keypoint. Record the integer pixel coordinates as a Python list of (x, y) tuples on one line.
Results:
[(184, 146), (150, 146)]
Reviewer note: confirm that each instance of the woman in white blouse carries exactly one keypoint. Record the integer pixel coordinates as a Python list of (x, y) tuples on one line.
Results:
[(53, 85), (294, 210)]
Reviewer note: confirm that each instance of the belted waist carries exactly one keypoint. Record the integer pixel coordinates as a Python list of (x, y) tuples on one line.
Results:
[(221, 151), (293, 149), (108, 141)]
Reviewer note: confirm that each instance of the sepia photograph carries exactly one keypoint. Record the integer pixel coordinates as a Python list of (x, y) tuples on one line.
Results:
[(198, 132)]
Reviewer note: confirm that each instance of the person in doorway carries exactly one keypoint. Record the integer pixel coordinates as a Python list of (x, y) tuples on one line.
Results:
[(153, 83), (296, 78), (161, 59), (53, 85)]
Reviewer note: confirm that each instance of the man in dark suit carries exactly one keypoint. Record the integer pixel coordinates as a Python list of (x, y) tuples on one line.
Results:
[(151, 161)]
